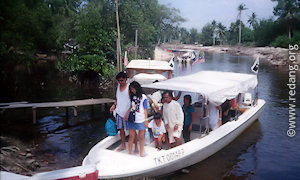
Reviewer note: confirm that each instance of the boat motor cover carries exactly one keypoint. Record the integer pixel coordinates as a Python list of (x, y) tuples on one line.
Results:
[(110, 127)]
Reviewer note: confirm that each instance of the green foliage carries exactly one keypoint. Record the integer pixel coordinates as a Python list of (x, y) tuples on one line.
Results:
[(3, 49), (76, 64), (288, 11), (95, 43), (194, 35), (284, 41), (44, 25), (247, 35), (266, 31), (206, 35), (27, 25), (281, 41)]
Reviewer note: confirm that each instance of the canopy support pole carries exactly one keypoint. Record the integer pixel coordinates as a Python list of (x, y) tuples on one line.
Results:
[(206, 117), (256, 92)]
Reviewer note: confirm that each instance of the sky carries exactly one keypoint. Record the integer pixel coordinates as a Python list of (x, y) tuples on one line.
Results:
[(200, 12)]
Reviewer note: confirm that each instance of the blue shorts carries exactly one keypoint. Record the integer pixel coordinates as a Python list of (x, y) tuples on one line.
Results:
[(121, 123), (136, 126)]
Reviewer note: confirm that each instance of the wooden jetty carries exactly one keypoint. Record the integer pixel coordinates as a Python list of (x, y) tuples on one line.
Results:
[(64, 104), (11, 103)]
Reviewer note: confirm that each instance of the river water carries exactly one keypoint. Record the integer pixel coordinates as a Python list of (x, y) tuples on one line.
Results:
[(263, 151)]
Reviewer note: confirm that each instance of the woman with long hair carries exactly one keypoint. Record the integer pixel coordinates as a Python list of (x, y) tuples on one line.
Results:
[(138, 110)]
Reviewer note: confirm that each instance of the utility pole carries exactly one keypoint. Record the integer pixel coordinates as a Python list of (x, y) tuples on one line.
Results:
[(119, 63), (240, 31), (135, 45), (118, 59)]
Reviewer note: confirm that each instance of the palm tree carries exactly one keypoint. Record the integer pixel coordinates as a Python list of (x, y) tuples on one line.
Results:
[(241, 8), (213, 27), (221, 29), (233, 32), (288, 10), (252, 20)]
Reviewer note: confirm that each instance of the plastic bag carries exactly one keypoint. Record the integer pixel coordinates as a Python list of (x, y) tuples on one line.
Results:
[(110, 127), (147, 137)]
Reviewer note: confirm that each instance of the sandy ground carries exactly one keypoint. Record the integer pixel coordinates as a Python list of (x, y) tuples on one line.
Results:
[(275, 56)]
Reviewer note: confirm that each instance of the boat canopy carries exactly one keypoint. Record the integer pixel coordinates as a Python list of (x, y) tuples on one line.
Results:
[(150, 65), (216, 86), (144, 78)]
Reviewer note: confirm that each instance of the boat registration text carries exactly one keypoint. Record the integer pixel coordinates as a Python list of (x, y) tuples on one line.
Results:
[(169, 157)]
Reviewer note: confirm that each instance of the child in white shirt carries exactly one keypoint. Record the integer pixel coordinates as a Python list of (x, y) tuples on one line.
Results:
[(158, 130)]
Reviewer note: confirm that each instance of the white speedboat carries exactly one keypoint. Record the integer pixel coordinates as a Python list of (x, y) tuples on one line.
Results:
[(187, 57), (149, 71), (215, 87)]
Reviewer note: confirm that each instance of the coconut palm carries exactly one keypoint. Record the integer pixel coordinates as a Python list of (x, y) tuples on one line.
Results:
[(287, 10), (252, 20), (241, 8), (221, 29), (213, 27), (233, 31)]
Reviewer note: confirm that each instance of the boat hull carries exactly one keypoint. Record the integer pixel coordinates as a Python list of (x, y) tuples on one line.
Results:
[(202, 154), (163, 162)]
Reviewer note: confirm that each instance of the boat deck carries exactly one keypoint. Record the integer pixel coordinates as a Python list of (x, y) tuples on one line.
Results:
[(149, 148)]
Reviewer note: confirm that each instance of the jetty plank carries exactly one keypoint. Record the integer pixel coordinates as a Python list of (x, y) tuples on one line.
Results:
[(84, 102), (65, 104), (11, 103)]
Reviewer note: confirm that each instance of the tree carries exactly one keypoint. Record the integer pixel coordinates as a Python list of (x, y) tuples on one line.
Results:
[(288, 11), (194, 35), (233, 33), (26, 26), (252, 20), (185, 36), (206, 34), (213, 27), (221, 30), (241, 8), (95, 52), (266, 31)]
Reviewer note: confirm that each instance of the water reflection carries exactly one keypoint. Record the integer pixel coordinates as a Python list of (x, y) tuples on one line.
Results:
[(262, 153), (219, 165)]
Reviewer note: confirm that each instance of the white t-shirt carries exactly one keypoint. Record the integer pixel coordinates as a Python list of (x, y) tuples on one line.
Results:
[(213, 116), (140, 109), (157, 130), (123, 101)]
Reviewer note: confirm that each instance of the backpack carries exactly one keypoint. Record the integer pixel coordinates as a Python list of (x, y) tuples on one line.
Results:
[(110, 127)]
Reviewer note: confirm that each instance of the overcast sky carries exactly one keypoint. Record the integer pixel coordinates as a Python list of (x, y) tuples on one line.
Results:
[(200, 12)]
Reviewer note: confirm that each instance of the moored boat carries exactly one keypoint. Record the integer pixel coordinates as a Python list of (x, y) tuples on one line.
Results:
[(149, 71), (212, 86)]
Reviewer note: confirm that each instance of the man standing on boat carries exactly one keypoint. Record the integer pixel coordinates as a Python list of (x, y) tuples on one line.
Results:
[(173, 117), (121, 105)]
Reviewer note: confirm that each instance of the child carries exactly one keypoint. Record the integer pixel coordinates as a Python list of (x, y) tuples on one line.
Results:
[(189, 116), (158, 130)]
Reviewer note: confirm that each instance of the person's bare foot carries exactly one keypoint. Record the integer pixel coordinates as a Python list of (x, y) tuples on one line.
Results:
[(136, 151), (121, 149), (143, 155)]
